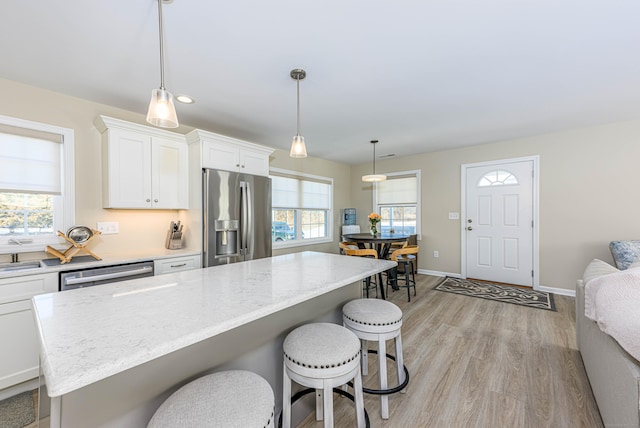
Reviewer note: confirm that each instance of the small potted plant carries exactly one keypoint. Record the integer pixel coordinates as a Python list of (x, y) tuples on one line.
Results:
[(374, 219)]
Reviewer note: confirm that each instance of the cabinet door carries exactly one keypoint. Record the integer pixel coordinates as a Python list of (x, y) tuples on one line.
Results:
[(128, 170), (220, 155), (169, 174), (176, 264), (18, 334), (255, 163), (19, 360)]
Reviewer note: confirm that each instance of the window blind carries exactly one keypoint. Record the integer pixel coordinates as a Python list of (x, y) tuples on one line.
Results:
[(288, 192), (30, 161), (400, 190)]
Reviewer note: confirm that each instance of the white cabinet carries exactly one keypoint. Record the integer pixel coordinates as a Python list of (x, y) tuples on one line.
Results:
[(19, 359), (176, 264), (229, 154), (143, 167)]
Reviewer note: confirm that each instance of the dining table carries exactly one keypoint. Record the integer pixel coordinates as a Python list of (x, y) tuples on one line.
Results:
[(381, 242)]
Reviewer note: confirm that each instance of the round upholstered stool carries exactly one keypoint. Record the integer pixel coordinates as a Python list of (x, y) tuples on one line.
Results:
[(234, 398), (322, 356), (378, 320)]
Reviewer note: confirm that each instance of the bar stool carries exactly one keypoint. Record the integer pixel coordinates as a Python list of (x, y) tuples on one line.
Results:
[(234, 398), (350, 249), (406, 256), (322, 356), (378, 320)]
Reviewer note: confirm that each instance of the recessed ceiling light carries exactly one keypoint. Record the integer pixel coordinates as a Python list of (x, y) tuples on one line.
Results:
[(185, 99)]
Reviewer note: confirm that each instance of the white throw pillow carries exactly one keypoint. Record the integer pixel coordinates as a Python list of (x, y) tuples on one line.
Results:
[(598, 268)]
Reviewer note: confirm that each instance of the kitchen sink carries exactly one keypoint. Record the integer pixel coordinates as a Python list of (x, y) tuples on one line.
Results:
[(11, 267)]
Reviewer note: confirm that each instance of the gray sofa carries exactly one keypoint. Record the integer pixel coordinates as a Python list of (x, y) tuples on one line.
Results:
[(614, 374)]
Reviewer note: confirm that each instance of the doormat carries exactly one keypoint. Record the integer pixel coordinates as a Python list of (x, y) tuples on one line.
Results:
[(17, 411), (500, 293)]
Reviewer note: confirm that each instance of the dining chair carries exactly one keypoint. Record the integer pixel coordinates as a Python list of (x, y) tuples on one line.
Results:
[(405, 256), (351, 249)]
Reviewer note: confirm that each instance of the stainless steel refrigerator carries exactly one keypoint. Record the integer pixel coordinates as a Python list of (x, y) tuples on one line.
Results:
[(237, 217)]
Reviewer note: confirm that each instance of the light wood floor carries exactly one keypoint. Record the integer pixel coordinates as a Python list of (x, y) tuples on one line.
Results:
[(478, 363)]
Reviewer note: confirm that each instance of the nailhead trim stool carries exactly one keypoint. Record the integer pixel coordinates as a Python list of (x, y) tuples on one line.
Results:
[(322, 356), (378, 320), (234, 398)]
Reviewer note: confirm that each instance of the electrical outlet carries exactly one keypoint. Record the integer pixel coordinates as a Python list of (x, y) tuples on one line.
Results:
[(436, 254), (108, 227)]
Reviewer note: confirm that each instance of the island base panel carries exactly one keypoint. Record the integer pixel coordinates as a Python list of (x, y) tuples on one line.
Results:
[(130, 398)]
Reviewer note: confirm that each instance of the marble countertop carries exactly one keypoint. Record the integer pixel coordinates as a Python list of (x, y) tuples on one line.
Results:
[(89, 334)]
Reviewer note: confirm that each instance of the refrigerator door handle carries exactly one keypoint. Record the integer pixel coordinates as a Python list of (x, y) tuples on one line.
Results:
[(248, 211), (244, 217)]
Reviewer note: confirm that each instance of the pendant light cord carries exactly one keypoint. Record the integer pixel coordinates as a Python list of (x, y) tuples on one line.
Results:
[(161, 45), (298, 104), (374, 157)]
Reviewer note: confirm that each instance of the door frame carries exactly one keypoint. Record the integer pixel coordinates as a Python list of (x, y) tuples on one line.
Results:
[(535, 196)]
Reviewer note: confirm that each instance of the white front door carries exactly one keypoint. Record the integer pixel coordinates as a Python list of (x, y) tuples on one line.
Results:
[(499, 222)]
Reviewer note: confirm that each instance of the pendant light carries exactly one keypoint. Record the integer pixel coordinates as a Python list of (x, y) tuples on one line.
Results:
[(374, 177), (298, 149), (162, 112)]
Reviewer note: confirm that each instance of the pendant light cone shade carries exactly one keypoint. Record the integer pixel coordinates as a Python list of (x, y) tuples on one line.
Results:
[(373, 178), (162, 111), (298, 149)]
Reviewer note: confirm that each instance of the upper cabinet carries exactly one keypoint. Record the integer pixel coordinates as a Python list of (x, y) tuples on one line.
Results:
[(142, 167), (230, 154)]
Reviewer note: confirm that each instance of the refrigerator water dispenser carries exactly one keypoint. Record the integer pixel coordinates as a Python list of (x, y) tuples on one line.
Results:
[(226, 238)]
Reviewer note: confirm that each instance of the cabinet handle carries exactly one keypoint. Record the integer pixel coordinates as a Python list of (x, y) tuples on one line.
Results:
[(243, 166), (148, 200), (237, 164), (180, 265), (155, 200)]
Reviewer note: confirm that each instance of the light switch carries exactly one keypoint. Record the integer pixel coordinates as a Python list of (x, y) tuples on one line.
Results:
[(454, 216), (108, 227)]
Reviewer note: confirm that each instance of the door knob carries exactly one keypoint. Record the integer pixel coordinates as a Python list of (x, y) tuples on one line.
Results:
[(469, 228)]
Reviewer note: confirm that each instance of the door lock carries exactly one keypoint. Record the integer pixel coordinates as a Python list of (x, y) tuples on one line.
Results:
[(469, 228)]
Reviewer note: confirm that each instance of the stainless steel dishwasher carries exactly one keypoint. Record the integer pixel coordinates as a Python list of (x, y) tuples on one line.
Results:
[(105, 274)]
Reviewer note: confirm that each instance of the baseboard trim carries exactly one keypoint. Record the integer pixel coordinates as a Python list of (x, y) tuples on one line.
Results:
[(559, 291), (553, 290), (438, 273)]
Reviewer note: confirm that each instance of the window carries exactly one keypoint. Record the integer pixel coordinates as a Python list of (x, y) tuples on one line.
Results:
[(36, 184), (497, 178), (301, 208), (398, 203)]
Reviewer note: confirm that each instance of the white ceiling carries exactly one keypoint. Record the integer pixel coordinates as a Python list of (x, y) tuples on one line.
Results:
[(419, 75)]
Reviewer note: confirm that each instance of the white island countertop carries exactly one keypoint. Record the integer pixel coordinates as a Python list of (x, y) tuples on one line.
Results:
[(89, 334)]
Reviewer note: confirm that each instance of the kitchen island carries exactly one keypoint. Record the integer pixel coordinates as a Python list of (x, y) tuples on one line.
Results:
[(112, 353)]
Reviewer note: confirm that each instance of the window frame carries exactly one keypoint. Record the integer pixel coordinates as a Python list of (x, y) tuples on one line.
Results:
[(418, 204), (302, 242), (64, 204)]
